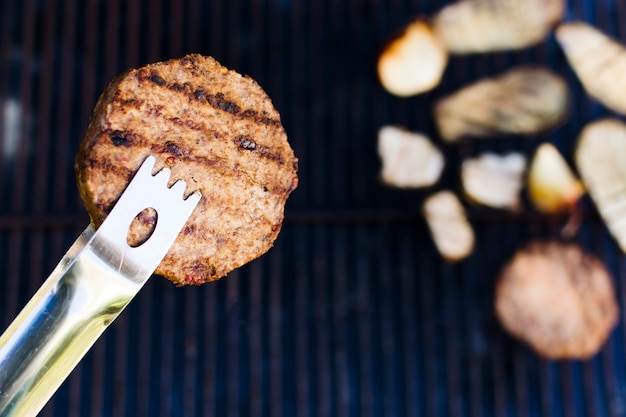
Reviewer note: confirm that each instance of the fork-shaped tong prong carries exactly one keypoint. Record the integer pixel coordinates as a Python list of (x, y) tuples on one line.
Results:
[(92, 284), (144, 191)]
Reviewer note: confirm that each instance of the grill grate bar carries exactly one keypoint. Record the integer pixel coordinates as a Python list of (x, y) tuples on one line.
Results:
[(66, 134), (432, 399), (451, 318), (7, 17), (302, 354), (43, 128), (363, 276), (24, 92), (232, 338), (476, 342), (191, 378), (411, 382)]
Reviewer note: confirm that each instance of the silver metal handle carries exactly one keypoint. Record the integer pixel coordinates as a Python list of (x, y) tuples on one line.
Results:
[(57, 327), (89, 288)]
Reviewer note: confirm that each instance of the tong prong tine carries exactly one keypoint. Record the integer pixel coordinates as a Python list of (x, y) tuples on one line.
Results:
[(193, 198), (178, 188), (148, 191), (163, 176)]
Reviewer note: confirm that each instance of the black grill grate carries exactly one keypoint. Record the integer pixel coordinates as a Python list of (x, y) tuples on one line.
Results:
[(352, 313)]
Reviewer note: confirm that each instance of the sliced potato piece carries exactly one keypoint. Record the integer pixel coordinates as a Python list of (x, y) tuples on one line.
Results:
[(599, 62), (494, 180), (524, 101), (601, 161), (410, 160), (412, 62), (552, 186), (471, 26), (452, 233)]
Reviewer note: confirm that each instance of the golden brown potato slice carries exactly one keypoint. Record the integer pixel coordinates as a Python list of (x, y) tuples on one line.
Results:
[(523, 101), (601, 160), (552, 186), (410, 160), (471, 26), (413, 61), (599, 62), (452, 233), (494, 180)]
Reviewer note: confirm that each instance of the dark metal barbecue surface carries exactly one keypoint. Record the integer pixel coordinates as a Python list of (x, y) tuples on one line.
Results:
[(352, 313)]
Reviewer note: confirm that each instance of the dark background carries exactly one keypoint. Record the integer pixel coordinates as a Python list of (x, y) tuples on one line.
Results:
[(352, 313)]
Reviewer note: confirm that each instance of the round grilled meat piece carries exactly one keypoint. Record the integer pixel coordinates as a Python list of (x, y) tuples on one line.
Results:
[(213, 128), (558, 299)]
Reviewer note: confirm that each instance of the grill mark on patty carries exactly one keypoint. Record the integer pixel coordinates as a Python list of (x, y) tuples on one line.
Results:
[(218, 100), (170, 148), (244, 143), (187, 122), (155, 78), (124, 138), (247, 144), (132, 102), (105, 165), (220, 165)]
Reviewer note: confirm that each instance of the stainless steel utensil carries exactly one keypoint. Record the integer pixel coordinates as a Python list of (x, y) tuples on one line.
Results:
[(93, 283)]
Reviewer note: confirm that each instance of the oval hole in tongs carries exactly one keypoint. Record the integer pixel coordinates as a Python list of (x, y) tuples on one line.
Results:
[(142, 227)]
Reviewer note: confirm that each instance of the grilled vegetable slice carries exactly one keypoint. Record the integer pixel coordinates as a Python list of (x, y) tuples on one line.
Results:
[(471, 26), (524, 100), (413, 61), (410, 160), (451, 231), (552, 186), (598, 60), (601, 160), (558, 299), (494, 180)]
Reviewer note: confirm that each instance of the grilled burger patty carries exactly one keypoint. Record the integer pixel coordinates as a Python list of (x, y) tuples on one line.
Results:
[(213, 128)]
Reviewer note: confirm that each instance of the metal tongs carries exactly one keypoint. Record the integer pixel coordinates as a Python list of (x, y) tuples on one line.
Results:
[(93, 283)]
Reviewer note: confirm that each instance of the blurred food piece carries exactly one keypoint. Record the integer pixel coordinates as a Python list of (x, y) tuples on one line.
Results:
[(598, 61), (410, 160), (552, 186), (472, 26), (601, 161), (413, 61), (558, 299), (451, 231), (493, 180), (523, 100)]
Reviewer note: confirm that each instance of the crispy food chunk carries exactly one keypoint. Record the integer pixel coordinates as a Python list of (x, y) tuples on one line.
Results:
[(552, 186), (558, 299), (494, 180), (413, 61), (471, 26), (451, 231), (213, 128), (601, 161), (523, 101), (410, 160), (598, 61)]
